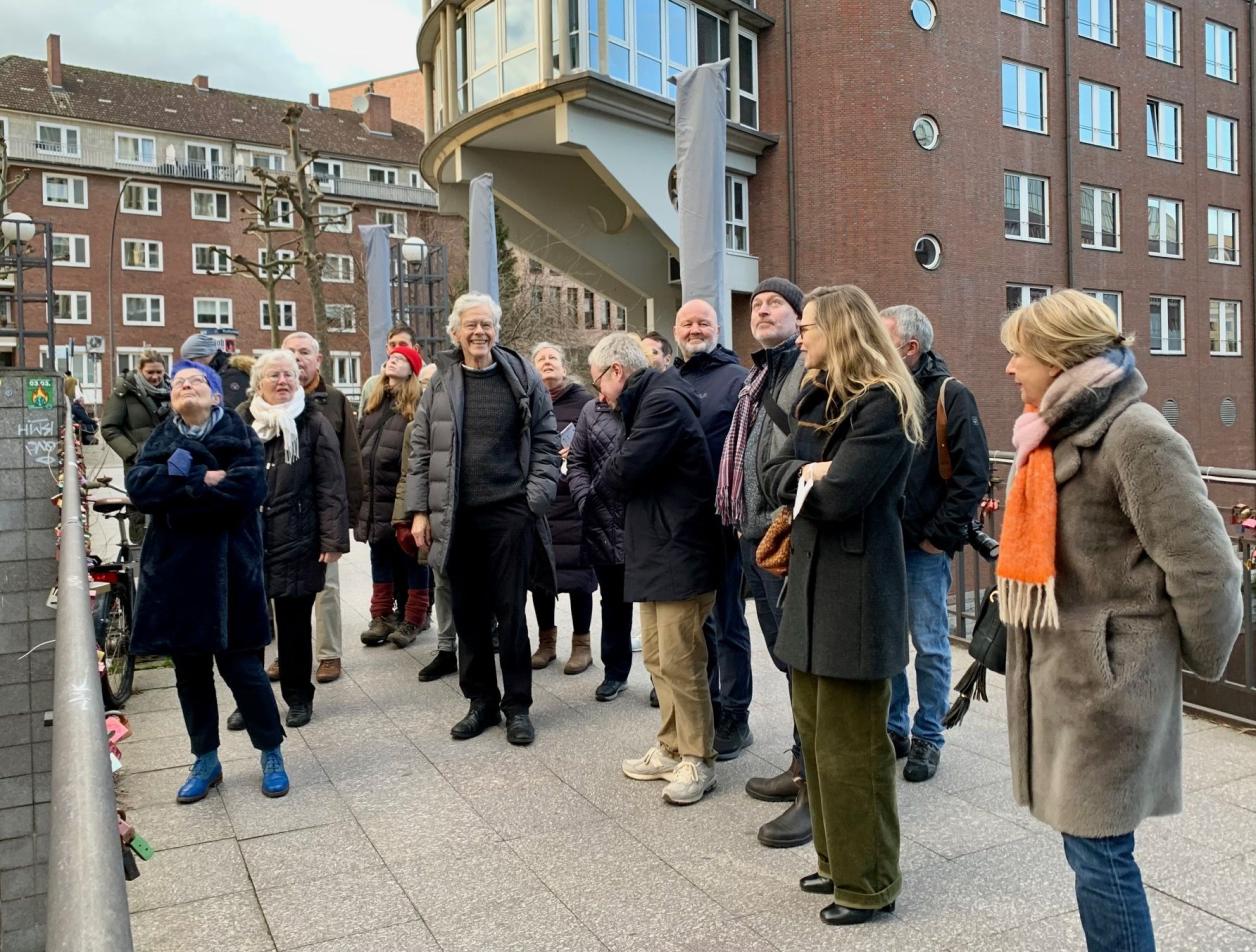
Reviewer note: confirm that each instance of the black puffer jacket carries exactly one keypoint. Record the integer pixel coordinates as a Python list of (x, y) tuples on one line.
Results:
[(599, 433), (566, 529), (381, 436), (305, 513)]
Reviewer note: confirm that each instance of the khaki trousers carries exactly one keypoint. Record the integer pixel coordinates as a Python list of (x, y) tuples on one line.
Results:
[(327, 627), (675, 654), (850, 786)]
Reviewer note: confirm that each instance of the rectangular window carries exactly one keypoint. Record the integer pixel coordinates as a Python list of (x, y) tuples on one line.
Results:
[(1025, 9), (1223, 235), (69, 191), (736, 214), (1224, 329), (1018, 295), (205, 161), (1101, 218), (143, 309), (271, 161), (71, 251), (73, 307), (280, 213), (381, 175), (135, 150), (212, 312), (140, 254), (1163, 24), (747, 72), (1112, 299), (587, 308), (1164, 227), (280, 255), (336, 218), (210, 206), (1164, 130), (345, 373), (211, 259), (1096, 20), (1223, 144), (129, 358), (342, 318), (396, 222), (573, 301), (1220, 49), (287, 315), (61, 140), (338, 269), (1098, 115), (1024, 97), (621, 318), (141, 198), (1168, 325), (1025, 207), (537, 296), (326, 171)]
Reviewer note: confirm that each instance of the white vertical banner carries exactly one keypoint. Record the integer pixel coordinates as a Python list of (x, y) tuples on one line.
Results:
[(482, 238), (376, 255)]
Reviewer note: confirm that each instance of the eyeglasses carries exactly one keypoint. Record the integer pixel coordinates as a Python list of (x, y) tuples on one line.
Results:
[(598, 378), (802, 328), (190, 380)]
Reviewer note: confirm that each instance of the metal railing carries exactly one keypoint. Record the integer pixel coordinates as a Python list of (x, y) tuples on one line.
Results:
[(87, 903)]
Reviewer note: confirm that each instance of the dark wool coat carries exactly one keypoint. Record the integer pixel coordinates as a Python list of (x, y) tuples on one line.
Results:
[(381, 436), (305, 513), (599, 433), (673, 542), (1146, 581), (574, 574), (130, 416), (435, 447), (202, 586), (717, 379), (335, 406), (845, 609)]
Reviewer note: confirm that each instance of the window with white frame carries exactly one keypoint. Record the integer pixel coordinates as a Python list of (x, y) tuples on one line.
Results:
[(204, 160), (4, 128), (73, 307), (381, 175), (621, 318), (135, 150), (141, 254), (1098, 115), (736, 214), (280, 213), (338, 269), (1025, 204), (747, 73), (1223, 235), (1096, 20), (346, 372), (272, 263), (336, 218), (1168, 325), (210, 206), (58, 139), (1101, 218), (1024, 97), (211, 312), (265, 159), (416, 181), (1224, 329), (69, 191), (396, 222), (1164, 31), (128, 358), (287, 311), (1112, 299), (71, 251), (1164, 130), (1018, 295), (144, 309), (342, 318), (211, 259), (1220, 48), (141, 198), (1035, 10), (326, 171), (1223, 144), (1164, 227)]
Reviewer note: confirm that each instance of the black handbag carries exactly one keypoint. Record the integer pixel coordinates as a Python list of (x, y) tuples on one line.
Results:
[(988, 649)]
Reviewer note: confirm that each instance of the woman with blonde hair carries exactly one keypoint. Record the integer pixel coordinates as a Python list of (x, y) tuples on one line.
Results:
[(1114, 570), (843, 630)]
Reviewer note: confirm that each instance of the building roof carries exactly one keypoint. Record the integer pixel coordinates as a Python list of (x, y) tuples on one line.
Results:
[(95, 95)]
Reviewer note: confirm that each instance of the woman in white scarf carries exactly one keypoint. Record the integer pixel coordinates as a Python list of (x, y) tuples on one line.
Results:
[(277, 400)]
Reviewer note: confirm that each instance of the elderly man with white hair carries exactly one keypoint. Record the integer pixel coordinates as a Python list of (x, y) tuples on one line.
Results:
[(483, 472)]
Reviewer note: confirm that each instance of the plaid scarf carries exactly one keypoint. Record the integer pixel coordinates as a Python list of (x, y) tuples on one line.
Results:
[(729, 500), (1026, 569)]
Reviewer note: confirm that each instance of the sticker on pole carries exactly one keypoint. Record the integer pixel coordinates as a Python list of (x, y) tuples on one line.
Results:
[(39, 392)]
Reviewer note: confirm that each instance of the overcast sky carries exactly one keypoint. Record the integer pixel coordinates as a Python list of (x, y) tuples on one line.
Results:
[(269, 47)]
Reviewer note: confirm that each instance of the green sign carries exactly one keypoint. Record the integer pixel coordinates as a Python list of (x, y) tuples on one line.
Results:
[(41, 392)]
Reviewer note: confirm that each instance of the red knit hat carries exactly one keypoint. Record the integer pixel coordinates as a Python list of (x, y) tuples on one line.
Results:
[(412, 356)]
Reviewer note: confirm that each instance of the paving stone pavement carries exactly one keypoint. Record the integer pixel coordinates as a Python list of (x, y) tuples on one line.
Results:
[(397, 839)]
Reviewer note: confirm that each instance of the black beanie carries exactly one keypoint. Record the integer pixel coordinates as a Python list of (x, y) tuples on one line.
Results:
[(787, 289)]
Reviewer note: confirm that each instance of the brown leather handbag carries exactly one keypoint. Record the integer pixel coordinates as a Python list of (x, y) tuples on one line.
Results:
[(772, 555)]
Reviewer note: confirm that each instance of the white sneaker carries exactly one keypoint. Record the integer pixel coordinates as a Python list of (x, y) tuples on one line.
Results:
[(655, 765), (636, 643), (691, 780)]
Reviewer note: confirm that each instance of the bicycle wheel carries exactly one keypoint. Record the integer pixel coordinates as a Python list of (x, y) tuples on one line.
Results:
[(115, 641)]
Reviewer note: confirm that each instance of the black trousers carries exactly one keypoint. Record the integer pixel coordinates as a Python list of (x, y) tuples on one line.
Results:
[(489, 561), (581, 610), (293, 634), (246, 677), (616, 622)]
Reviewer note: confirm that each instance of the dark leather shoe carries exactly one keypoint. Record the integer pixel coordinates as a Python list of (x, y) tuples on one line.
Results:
[(235, 721), (478, 720), (791, 828), (901, 745), (519, 730), (783, 788), (835, 915), (445, 662), (815, 883), (298, 715)]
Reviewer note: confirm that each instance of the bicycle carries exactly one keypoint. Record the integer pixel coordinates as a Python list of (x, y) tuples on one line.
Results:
[(114, 605)]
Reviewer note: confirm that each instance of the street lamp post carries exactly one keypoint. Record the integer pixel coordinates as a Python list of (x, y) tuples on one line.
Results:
[(113, 232)]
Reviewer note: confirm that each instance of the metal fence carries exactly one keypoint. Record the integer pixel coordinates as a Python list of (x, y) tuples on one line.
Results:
[(1234, 696), (87, 904)]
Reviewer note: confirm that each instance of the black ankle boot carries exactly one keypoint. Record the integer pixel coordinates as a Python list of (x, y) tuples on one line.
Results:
[(835, 915), (791, 828)]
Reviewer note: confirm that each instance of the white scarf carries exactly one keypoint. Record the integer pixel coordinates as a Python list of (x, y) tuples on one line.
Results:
[(275, 419)]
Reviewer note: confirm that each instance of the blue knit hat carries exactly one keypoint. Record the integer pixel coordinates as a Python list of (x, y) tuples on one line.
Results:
[(211, 375)]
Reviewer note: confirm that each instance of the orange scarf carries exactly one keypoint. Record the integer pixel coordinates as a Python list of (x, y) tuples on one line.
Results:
[(1026, 568)]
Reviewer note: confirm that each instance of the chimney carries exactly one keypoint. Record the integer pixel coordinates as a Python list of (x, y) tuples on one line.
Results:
[(314, 100), (201, 83), (378, 116), (54, 61)]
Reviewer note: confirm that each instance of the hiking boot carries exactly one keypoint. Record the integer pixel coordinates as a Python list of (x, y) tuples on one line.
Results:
[(328, 670), (235, 721), (378, 631), (732, 737), (783, 788), (581, 657), (274, 776), (791, 828), (206, 773), (272, 670), (545, 652), (655, 764), (691, 781), (445, 662), (610, 689), (404, 634), (901, 745), (922, 761), (299, 714)]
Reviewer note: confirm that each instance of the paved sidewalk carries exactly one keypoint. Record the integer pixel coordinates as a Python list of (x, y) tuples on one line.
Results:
[(394, 837)]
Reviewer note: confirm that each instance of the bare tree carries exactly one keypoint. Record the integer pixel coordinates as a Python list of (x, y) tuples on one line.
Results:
[(263, 219)]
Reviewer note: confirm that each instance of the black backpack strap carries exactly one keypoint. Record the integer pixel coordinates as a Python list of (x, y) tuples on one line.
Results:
[(775, 412)]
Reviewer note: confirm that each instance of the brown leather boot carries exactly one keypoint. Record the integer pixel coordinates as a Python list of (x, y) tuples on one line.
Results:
[(545, 652), (783, 788), (581, 656), (791, 828)]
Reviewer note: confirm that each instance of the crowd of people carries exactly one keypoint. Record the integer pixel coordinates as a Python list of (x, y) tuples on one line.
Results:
[(667, 487)]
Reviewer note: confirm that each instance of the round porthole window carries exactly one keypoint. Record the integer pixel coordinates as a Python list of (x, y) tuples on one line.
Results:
[(1229, 411), (1172, 412), (924, 13), (925, 129), (928, 252)]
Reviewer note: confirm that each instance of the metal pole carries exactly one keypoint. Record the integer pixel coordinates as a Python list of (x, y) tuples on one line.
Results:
[(87, 907), (113, 232)]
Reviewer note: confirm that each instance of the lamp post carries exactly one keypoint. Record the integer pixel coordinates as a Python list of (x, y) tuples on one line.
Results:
[(17, 228), (113, 232), (414, 250)]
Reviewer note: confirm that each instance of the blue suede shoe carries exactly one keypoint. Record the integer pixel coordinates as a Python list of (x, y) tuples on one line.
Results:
[(274, 777), (206, 773)]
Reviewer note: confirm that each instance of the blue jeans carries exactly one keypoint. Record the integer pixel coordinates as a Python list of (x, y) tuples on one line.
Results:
[(728, 642), (928, 581), (1110, 895)]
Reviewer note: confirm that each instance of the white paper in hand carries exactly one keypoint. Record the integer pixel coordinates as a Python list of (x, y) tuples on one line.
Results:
[(804, 486)]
